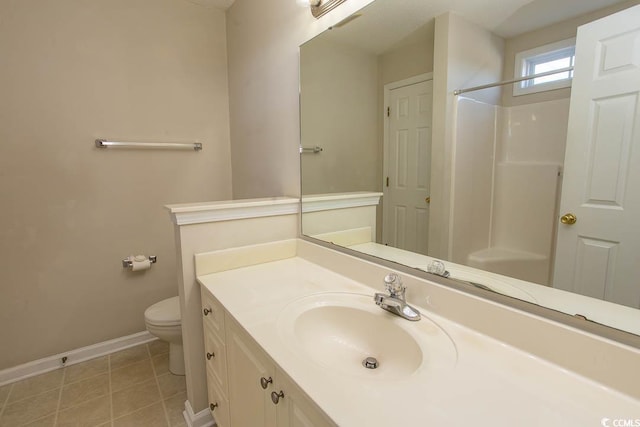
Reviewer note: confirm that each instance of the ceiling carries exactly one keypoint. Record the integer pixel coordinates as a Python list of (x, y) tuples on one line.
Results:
[(540, 13), (393, 20)]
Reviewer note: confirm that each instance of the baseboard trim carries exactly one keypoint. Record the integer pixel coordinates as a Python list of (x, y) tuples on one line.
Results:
[(201, 419), (79, 355)]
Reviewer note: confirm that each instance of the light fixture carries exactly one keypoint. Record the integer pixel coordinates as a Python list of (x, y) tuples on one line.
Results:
[(321, 7)]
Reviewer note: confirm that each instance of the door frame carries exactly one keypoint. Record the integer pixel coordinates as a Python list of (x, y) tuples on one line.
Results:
[(385, 141)]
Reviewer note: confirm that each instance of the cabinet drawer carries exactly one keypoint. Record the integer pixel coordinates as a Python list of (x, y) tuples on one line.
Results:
[(216, 359), (218, 404), (213, 313)]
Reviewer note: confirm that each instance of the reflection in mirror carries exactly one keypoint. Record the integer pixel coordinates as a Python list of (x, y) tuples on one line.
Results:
[(528, 189)]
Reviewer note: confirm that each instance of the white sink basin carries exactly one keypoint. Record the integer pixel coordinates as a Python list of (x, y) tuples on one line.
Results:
[(339, 330)]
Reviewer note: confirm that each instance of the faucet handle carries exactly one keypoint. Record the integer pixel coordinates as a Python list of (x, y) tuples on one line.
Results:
[(437, 267), (393, 284)]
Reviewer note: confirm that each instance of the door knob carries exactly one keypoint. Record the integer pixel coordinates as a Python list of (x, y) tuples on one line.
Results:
[(428, 200), (568, 219)]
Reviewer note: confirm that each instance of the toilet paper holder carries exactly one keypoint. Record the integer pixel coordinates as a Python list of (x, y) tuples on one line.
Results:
[(128, 263)]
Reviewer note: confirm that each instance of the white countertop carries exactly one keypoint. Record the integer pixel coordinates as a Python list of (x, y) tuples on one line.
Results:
[(491, 384)]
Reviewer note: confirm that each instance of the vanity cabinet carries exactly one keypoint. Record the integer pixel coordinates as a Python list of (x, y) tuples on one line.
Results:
[(215, 359), (296, 410), (245, 386), (252, 376)]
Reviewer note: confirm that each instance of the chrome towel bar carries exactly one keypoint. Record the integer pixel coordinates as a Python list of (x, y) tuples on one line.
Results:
[(196, 146), (314, 150)]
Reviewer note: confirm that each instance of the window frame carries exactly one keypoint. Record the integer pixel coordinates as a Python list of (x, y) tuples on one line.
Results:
[(524, 59)]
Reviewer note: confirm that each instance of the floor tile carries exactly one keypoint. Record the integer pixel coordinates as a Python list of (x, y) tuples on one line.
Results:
[(150, 416), (175, 406), (4, 393), (30, 409), (36, 385), (84, 370), (161, 364), (171, 385), (128, 356), (82, 391), (158, 347), (133, 398), (129, 386), (132, 374), (91, 413), (48, 421)]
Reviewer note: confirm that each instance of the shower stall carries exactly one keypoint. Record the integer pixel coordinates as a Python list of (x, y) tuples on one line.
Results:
[(506, 180)]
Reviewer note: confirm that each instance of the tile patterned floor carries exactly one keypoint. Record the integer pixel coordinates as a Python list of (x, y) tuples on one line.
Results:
[(131, 388)]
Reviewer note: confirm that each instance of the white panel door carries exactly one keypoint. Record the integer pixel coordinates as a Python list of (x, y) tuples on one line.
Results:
[(408, 156), (599, 255)]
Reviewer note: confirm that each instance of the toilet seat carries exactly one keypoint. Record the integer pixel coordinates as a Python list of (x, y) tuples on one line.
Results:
[(164, 313)]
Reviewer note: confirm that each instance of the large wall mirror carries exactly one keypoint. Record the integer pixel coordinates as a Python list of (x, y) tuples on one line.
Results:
[(415, 150)]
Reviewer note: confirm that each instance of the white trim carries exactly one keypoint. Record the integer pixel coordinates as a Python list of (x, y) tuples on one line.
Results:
[(385, 142), (82, 354), (326, 202), (201, 419), (198, 213)]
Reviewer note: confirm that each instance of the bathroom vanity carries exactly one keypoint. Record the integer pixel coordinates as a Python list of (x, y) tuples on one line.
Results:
[(287, 334), (239, 370)]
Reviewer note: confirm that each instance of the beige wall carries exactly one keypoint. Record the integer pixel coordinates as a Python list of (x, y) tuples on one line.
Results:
[(263, 87), (339, 112), (553, 33), (73, 71), (412, 58)]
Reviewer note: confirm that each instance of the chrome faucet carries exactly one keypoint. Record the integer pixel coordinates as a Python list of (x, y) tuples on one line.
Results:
[(395, 301)]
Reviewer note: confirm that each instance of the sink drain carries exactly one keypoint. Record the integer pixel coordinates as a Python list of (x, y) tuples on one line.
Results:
[(370, 363)]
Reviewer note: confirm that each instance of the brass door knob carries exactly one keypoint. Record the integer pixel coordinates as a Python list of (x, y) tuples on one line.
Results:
[(568, 219), (428, 200)]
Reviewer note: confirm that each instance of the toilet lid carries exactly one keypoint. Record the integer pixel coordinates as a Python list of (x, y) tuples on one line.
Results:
[(164, 313)]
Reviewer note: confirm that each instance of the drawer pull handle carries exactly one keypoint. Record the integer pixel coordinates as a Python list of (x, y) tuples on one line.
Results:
[(206, 311), (264, 383), (213, 406), (210, 355), (275, 397)]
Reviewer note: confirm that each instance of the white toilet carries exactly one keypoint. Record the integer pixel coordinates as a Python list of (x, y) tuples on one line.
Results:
[(163, 320)]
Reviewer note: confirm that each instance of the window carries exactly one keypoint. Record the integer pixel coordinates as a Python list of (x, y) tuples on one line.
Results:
[(554, 56)]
